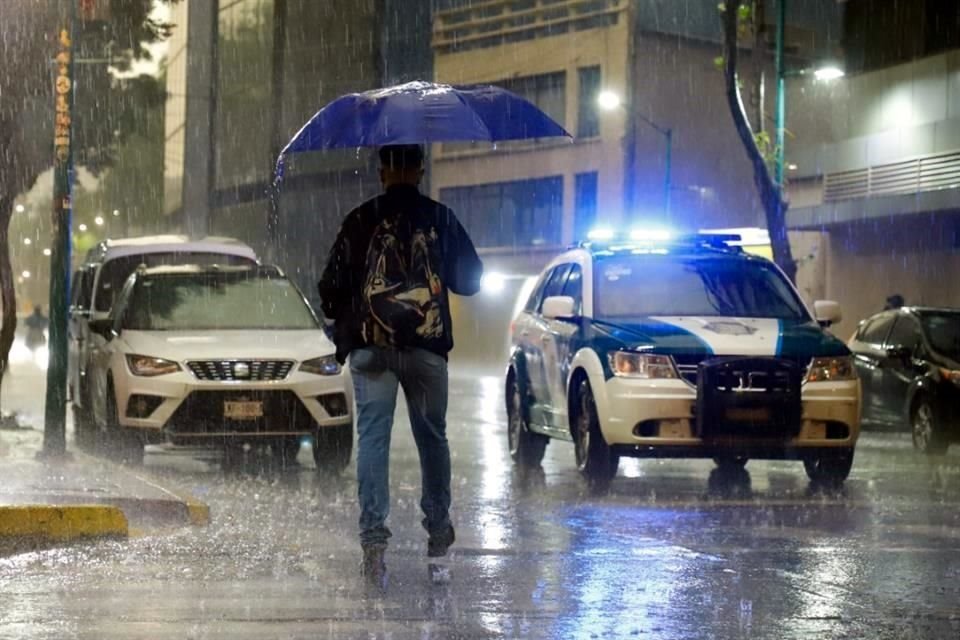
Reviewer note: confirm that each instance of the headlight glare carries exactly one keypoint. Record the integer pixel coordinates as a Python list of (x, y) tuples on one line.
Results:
[(646, 366), (323, 366), (952, 376), (148, 366), (831, 369)]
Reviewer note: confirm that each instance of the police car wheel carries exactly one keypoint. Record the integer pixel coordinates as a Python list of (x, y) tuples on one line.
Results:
[(526, 448), (595, 460), (830, 467), (731, 462)]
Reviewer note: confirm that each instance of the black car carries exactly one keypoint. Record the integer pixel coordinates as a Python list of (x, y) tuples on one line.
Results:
[(909, 365)]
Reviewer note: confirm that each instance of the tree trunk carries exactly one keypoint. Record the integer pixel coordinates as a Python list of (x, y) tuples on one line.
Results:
[(8, 296), (771, 197)]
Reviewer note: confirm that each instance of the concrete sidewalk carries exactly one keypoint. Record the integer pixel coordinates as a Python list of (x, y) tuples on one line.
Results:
[(50, 502)]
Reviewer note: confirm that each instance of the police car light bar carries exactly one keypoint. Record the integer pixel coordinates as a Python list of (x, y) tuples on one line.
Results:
[(645, 237)]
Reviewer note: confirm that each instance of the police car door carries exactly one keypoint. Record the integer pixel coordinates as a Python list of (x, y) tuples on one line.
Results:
[(559, 348), (541, 359)]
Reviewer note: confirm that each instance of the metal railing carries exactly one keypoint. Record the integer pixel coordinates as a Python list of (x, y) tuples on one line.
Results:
[(497, 22), (924, 173)]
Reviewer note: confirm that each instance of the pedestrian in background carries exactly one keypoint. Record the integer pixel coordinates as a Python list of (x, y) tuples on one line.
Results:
[(37, 324), (386, 287), (894, 302)]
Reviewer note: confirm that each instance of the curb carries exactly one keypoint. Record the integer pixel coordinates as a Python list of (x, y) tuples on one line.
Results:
[(181, 508), (32, 526)]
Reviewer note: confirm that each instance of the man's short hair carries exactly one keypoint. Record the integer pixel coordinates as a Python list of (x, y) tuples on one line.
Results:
[(401, 157)]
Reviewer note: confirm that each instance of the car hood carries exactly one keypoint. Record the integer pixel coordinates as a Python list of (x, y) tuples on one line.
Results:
[(222, 345), (708, 336)]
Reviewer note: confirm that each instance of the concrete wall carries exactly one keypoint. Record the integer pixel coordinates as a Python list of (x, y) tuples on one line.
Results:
[(874, 118), (606, 47)]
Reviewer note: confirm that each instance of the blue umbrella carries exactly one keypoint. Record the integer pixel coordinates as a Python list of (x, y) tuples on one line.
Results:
[(422, 112)]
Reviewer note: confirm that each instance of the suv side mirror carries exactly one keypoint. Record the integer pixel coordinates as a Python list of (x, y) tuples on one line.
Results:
[(103, 327), (559, 308), (827, 312), (900, 353)]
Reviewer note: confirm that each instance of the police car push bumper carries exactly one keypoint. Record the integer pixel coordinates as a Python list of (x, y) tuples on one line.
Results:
[(644, 401)]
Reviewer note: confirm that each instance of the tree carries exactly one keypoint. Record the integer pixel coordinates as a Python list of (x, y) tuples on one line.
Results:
[(771, 194), (28, 39)]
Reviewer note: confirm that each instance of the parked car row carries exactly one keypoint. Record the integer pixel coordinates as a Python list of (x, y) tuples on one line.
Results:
[(196, 343), (908, 362)]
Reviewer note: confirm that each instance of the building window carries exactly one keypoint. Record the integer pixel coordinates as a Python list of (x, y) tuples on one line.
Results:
[(521, 213), (585, 204), (548, 91), (588, 117)]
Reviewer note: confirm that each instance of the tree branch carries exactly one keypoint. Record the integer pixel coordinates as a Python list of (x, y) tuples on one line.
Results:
[(770, 195)]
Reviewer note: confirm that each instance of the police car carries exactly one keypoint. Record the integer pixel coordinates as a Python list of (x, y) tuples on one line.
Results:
[(683, 347)]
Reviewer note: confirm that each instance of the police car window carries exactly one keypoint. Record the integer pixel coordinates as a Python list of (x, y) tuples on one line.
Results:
[(533, 302), (640, 285), (555, 284), (905, 334), (876, 330), (574, 288)]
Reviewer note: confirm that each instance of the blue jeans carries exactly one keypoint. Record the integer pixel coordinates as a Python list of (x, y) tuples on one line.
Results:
[(377, 373)]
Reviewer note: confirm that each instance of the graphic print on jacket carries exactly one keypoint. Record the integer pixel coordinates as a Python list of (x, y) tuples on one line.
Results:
[(402, 289)]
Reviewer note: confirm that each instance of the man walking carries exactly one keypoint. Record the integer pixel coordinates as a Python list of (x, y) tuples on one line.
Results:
[(385, 287)]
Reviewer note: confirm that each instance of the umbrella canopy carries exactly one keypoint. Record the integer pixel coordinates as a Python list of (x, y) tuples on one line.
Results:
[(423, 112)]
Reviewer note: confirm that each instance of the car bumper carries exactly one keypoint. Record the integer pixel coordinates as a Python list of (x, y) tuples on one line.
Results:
[(655, 417), (192, 410)]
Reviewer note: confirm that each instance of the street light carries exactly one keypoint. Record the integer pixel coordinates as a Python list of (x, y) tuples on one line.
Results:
[(25, 274), (27, 241), (116, 212), (47, 252), (98, 221), (826, 72), (20, 208), (82, 227), (608, 101)]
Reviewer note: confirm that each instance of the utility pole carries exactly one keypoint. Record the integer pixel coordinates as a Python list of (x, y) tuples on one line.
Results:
[(55, 415)]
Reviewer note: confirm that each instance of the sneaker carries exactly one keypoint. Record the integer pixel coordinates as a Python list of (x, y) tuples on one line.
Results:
[(373, 568), (439, 542)]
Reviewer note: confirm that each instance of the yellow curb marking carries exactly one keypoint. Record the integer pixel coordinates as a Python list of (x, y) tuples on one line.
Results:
[(62, 523)]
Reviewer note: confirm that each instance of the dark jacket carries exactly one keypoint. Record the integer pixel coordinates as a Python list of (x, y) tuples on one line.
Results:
[(451, 257)]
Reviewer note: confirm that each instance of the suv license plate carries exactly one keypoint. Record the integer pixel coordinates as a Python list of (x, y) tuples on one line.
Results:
[(243, 410), (739, 414)]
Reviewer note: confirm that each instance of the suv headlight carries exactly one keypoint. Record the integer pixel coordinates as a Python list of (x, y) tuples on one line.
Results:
[(641, 365), (324, 366), (831, 369), (149, 366)]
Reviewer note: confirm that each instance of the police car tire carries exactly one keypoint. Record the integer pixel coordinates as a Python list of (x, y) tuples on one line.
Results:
[(598, 463), (526, 447), (829, 468)]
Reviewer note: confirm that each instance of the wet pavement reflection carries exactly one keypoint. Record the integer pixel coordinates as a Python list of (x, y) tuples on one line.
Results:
[(676, 549)]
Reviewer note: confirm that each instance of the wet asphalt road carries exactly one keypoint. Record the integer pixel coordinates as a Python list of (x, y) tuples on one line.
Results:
[(674, 551)]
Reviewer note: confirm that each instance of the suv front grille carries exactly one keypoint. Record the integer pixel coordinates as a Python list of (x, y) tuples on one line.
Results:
[(688, 366), (241, 370)]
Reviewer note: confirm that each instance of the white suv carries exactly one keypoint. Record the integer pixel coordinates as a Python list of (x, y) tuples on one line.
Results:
[(99, 280), (683, 348), (217, 356)]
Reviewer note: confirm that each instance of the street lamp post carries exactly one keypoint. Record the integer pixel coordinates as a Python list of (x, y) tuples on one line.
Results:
[(825, 73), (609, 101), (54, 433)]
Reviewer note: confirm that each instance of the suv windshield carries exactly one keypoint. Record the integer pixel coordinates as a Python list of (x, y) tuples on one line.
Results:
[(943, 332), (115, 272), (216, 301), (655, 285)]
